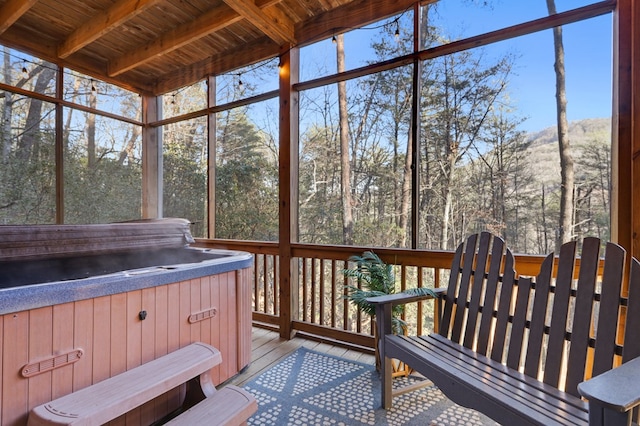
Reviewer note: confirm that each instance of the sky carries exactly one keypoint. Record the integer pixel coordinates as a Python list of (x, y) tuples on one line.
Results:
[(588, 51)]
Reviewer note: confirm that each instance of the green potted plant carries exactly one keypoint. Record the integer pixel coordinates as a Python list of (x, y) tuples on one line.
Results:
[(376, 278)]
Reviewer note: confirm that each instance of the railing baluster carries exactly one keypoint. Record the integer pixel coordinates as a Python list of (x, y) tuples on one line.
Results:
[(334, 294), (321, 277), (312, 318)]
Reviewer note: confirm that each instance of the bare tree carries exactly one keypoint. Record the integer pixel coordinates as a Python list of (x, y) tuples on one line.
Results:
[(347, 200), (566, 157)]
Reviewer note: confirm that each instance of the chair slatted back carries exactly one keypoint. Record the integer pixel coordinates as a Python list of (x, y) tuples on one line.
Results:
[(561, 326), (631, 348), (476, 274)]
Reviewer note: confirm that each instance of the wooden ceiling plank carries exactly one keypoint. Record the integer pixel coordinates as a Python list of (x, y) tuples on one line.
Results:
[(273, 24), (102, 23), (212, 21), (244, 55), (12, 10), (351, 15)]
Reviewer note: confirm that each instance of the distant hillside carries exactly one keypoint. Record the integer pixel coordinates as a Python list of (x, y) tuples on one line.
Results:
[(543, 151)]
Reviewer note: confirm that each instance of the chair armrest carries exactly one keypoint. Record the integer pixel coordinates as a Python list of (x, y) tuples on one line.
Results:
[(402, 298), (617, 389)]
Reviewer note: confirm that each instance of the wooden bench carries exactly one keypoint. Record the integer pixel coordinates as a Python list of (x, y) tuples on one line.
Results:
[(113, 397), (522, 350)]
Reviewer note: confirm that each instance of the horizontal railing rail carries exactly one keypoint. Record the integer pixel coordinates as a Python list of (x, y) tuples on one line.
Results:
[(319, 306)]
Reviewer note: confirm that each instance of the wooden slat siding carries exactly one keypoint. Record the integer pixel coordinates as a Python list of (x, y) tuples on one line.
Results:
[(62, 341), (133, 345), (101, 342), (558, 325), (535, 341), (631, 340), (195, 305), (516, 336), (256, 285), (173, 334), (40, 342), (226, 323), (477, 288), (214, 302), (14, 393), (161, 339), (245, 313), (609, 303), (582, 314), (489, 299), (451, 296), (148, 411), (234, 351), (118, 350), (463, 289), (207, 332), (82, 338)]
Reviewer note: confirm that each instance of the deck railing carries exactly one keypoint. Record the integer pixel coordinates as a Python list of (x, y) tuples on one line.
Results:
[(319, 306)]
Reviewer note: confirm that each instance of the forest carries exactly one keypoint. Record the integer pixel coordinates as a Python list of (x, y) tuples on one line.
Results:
[(360, 179)]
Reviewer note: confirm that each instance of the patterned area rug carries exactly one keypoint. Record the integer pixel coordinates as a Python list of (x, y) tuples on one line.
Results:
[(310, 388)]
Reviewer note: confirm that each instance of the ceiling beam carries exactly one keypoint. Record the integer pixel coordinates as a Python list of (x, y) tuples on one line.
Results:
[(271, 21), (12, 10), (245, 55), (349, 16), (102, 23), (214, 20)]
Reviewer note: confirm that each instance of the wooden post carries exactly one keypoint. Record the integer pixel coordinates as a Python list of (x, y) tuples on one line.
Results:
[(151, 158), (211, 159), (623, 226), (288, 192), (59, 149)]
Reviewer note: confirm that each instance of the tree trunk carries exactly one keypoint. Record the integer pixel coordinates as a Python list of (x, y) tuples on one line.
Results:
[(347, 201), (91, 129), (566, 158), (7, 111), (29, 141)]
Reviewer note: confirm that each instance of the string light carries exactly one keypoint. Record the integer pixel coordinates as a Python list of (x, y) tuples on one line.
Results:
[(173, 99), (397, 33), (334, 40), (240, 85), (25, 73), (93, 86)]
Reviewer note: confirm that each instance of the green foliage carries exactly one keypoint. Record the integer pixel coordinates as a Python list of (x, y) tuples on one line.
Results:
[(376, 278)]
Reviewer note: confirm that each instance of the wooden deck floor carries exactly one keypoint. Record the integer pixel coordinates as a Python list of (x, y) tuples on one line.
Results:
[(267, 349)]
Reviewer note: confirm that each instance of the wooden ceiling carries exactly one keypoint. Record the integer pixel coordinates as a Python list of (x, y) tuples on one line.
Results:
[(156, 46)]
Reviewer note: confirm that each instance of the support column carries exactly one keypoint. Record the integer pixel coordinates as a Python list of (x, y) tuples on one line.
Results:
[(288, 192), (211, 159), (151, 158), (624, 228)]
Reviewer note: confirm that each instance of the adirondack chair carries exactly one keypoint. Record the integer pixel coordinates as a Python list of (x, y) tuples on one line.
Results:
[(520, 349)]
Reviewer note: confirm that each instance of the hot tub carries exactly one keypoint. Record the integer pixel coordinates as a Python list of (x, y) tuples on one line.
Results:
[(79, 304)]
